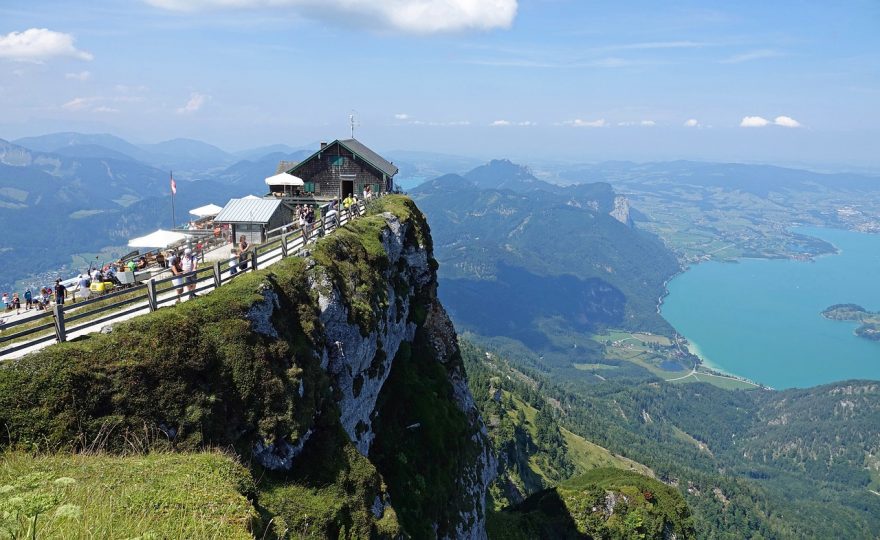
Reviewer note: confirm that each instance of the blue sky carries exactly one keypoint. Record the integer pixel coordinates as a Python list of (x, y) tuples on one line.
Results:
[(784, 81)]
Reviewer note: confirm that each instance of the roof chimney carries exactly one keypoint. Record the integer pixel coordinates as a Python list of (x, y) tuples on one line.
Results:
[(323, 144)]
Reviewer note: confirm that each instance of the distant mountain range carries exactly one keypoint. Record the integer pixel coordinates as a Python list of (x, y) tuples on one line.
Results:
[(760, 180), (190, 157), (69, 193)]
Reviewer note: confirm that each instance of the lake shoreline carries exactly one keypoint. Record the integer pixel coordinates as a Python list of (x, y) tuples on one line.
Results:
[(759, 343)]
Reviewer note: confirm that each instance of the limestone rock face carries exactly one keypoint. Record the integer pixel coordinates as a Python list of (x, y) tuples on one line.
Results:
[(359, 360), (621, 211), (357, 369)]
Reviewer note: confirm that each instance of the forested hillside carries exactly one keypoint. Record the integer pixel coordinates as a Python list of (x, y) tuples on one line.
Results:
[(757, 464), (540, 266)]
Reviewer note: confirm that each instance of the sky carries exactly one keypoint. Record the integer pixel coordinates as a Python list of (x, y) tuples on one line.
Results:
[(788, 82)]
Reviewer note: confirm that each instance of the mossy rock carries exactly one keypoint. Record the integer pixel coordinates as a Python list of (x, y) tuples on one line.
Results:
[(603, 503)]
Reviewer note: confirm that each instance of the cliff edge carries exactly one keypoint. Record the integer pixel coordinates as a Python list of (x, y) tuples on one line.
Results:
[(335, 378)]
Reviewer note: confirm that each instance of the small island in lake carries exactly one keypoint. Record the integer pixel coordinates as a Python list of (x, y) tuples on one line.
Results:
[(870, 328)]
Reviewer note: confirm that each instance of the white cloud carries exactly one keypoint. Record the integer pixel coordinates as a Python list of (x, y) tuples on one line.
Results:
[(786, 121), (417, 16), (401, 116), (105, 109), (527, 123), (751, 55), (38, 44), (82, 76), (498, 123), (643, 123), (78, 104), (432, 123), (577, 122), (692, 122), (754, 121), (196, 102)]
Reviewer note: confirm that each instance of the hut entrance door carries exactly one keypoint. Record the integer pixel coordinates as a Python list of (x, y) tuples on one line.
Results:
[(347, 188)]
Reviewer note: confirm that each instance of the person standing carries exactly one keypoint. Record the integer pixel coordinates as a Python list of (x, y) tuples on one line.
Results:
[(84, 290), (233, 262), (189, 266), (347, 202), (28, 299), (176, 266), (16, 303), (60, 293), (242, 253)]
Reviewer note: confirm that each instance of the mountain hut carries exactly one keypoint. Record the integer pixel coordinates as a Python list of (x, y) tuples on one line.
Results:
[(335, 171)]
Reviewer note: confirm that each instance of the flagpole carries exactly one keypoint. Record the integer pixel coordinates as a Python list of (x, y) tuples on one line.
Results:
[(173, 189)]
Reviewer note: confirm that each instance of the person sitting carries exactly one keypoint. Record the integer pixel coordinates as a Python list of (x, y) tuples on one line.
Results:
[(141, 263), (110, 275), (160, 260)]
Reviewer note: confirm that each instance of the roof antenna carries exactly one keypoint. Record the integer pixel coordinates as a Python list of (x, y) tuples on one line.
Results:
[(352, 121)]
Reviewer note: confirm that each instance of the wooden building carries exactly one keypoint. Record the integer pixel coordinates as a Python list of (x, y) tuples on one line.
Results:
[(335, 171), (254, 217)]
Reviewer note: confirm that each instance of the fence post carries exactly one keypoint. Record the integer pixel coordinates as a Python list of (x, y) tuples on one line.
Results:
[(254, 259), (59, 323), (284, 246), (217, 280), (151, 294)]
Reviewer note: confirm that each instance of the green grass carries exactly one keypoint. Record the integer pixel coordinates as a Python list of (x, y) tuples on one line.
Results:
[(587, 456), (154, 496), (584, 455)]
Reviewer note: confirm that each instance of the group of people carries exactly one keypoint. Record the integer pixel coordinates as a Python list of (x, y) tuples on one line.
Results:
[(39, 300), (183, 268), (238, 258)]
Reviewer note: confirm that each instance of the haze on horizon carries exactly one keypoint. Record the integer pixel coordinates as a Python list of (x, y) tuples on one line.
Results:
[(781, 82)]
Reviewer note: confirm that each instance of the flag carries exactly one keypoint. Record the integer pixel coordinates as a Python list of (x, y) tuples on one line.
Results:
[(173, 186)]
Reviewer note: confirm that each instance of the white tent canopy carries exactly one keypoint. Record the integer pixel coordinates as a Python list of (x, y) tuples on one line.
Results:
[(251, 197), (206, 211), (284, 179), (158, 239)]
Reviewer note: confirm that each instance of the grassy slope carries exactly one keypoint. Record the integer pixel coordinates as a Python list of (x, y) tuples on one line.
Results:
[(584, 455), (198, 495)]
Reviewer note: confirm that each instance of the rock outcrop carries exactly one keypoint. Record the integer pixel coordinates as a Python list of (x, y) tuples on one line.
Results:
[(621, 211)]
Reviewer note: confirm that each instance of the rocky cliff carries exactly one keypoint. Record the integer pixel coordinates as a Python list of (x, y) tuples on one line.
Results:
[(621, 211), (337, 377)]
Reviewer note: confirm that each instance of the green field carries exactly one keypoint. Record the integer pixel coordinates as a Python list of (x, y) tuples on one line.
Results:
[(651, 352), (153, 496)]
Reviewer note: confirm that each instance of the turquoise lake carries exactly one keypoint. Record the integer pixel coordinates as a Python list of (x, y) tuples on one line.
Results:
[(761, 318)]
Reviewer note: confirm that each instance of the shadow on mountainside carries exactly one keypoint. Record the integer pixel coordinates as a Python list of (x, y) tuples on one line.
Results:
[(511, 305)]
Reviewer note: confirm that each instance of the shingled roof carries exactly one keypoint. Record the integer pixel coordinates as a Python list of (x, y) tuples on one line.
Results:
[(359, 149)]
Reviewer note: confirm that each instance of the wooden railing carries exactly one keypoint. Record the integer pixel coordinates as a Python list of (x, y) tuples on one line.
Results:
[(67, 321)]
